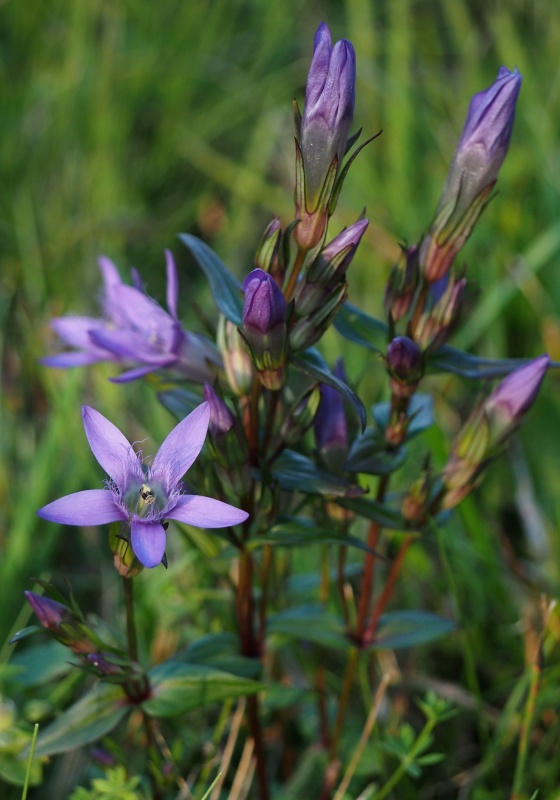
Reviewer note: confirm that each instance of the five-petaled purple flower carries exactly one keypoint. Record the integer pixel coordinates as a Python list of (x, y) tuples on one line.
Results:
[(146, 498), (135, 330)]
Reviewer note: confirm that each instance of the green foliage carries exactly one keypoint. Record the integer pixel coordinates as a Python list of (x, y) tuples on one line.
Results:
[(114, 786)]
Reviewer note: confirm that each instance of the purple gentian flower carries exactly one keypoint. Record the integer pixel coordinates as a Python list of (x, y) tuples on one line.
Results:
[(144, 498), (328, 110), (135, 330)]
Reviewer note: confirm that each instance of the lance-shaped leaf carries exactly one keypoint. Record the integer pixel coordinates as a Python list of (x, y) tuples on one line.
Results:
[(310, 623), (360, 328), (420, 412), (312, 363), (294, 532), (398, 629), (225, 288), (369, 454), (177, 688), (450, 359), (92, 717), (298, 473), (375, 511), (179, 402)]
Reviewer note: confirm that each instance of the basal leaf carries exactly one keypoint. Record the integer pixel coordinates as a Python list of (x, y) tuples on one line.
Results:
[(410, 628), (178, 688), (312, 363), (225, 288), (92, 717)]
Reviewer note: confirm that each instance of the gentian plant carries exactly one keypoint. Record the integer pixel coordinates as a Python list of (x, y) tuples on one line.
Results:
[(289, 464)]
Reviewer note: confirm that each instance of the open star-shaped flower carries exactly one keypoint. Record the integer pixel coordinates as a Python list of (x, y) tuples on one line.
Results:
[(146, 498)]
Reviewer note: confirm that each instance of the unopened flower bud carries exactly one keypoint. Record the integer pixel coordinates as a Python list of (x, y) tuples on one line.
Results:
[(322, 134), (415, 500), (328, 269), (437, 321), (266, 257), (300, 416), (221, 418), (61, 623), (229, 445), (477, 160), (402, 285), (105, 666), (513, 397), (264, 327), (404, 365), (238, 363), (331, 426), (126, 563), (309, 330)]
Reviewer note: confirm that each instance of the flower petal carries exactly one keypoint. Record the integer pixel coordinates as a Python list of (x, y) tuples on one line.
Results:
[(181, 447), (91, 507), (75, 330), (133, 374), (205, 512), (131, 346), (172, 284), (148, 542), (111, 449), (76, 358)]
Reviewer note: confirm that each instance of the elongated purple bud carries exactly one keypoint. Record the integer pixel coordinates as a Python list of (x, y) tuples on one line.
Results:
[(480, 152), (221, 418), (49, 613), (328, 110), (264, 326), (514, 396), (330, 425)]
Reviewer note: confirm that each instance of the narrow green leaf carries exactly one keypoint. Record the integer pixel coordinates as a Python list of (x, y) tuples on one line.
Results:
[(358, 327), (297, 473), (369, 454), (312, 363), (92, 717), (311, 624), (410, 628), (377, 512), (292, 532), (177, 688), (225, 288)]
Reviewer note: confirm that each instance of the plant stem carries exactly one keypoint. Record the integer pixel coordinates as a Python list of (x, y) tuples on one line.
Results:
[(535, 671), (344, 697), (130, 622), (366, 733), (369, 565), (408, 759), (369, 633), (294, 275), (256, 733)]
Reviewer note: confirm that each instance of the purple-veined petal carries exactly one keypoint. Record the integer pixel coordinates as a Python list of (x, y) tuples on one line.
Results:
[(144, 314), (90, 507), (77, 358), (172, 284), (205, 512), (132, 346), (111, 449), (181, 447), (148, 542), (134, 374), (75, 330)]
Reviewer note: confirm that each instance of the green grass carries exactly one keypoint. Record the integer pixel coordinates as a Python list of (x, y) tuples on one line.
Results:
[(124, 123)]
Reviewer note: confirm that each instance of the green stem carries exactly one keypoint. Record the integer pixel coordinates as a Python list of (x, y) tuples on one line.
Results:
[(408, 760), (526, 725), (130, 621), (30, 762), (294, 275)]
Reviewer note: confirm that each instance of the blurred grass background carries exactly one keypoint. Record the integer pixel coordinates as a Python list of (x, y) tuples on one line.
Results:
[(124, 123)]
